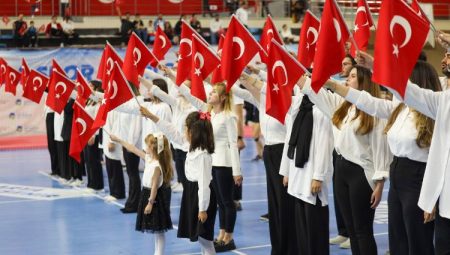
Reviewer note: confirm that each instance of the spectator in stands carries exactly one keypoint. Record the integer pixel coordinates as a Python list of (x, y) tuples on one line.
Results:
[(64, 6), (159, 22), (69, 33), (54, 29), (216, 28), (242, 13), (287, 35), (232, 5), (177, 28), (195, 24), (298, 10), (150, 32), (168, 30), (31, 35), (35, 5), (139, 27), (126, 28), (19, 29)]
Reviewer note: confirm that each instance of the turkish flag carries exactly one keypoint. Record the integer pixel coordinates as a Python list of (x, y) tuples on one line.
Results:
[(117, 92), (137, 57), (330, 49), (106, 65), (308, 39), (363, 22), (35, 86), (83, 89), (82, 131), (25, 72), (217, 73), (3, 65), (400, 37), (185, 52), (416, 7), (269, 31), (280, 82), (59, 89), (161, 46), (12, 78), (203, 63), (238, 50)]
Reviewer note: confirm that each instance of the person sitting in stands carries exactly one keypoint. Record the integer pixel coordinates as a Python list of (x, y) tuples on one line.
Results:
[(19, 28), (69, 30)]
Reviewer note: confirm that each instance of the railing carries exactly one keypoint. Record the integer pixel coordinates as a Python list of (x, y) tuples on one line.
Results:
[(177, 7)]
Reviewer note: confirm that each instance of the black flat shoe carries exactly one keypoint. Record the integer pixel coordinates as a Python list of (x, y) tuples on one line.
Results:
[(223, 247), (127, 210)]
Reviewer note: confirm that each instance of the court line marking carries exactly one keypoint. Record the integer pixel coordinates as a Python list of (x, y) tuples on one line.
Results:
[(381, 234), (19, 201)]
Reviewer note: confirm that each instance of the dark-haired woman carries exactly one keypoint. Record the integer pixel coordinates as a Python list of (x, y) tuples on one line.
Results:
[(363, 158), (409, 135)]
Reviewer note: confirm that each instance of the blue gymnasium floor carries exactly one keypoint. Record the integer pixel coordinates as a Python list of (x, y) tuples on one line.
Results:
[(40, 216)]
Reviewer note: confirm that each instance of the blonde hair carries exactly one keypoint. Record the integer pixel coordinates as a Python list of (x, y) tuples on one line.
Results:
[(164, 157), (221, 89)]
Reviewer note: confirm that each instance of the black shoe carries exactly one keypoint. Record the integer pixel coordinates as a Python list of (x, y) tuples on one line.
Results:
[(128, 210), (238, 206), (257, 158), (264, 217), (223, 247)]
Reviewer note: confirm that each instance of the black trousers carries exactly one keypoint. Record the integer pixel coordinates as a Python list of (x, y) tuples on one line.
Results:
[(353, 194), (179, 156), (342, 231), (223, 182), (94, 166), (115, 178), (134, 180), (77, 169), (63, 159), (51, 143), (280, 203), (311, 223), (407, 232), (442, 235)]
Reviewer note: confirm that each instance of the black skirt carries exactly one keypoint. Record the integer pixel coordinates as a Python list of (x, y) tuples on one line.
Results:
[(189, 226), (158, 221)]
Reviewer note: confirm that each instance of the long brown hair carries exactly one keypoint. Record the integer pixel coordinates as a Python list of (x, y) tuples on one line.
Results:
[(200, 132), (164, 157), (367, 122), (425, 76)]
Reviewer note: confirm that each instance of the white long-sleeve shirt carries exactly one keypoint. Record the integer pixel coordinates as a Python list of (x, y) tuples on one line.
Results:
[(112, 126), (369, 151), (181, 108), (198, 164), (162, 110), (57, 125), (224, 125), (403, 133), (436, 181), (320, 163)]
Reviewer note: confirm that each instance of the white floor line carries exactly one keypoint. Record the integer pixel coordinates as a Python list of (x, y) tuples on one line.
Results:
[(254, 177), (238, 252), (381, 234), (77, 188), (254, 183), (21, 201)]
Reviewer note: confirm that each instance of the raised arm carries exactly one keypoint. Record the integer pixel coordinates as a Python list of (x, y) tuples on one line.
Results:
[(197, 103), (128, 146), (245, 95), (425, 101), (253, 85)]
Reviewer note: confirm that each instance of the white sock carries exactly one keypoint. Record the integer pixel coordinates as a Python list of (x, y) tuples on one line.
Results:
[(160, 242), (207, 246)]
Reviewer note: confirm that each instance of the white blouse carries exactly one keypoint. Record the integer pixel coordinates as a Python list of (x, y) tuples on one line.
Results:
[(402, 135), (320, 163), (224, 125), (149, 170), (198, 164), (112, 126), (57, 125), (370, 151), (273, 131), (436, 181), (162, 110)]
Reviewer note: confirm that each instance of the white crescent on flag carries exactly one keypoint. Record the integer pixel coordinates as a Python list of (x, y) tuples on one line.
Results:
[(362, 9), (405, 25), (12, 77), (39, 80), (136, 55), (83, 124), (109, 65), (3, 69), (114, 87), (280, 64), (163, 41), (200, 58), (188, 42), (314, 32), (241, 46), (338, 29), (63, 85)]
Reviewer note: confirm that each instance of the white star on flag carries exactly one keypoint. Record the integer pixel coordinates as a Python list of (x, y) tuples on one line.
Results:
[(395, 52)]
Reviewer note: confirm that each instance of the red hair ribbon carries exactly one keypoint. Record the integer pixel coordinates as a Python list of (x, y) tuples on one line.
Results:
[(205, 115)]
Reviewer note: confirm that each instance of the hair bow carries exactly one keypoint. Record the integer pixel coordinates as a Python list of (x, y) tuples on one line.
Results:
[(160, 141), (205, 115)]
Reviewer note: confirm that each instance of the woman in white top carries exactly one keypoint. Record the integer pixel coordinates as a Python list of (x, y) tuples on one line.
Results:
[(226, 164), (409, 137), (307, 168), (363, 158), (198, 204), (153, 214), (434, 195)]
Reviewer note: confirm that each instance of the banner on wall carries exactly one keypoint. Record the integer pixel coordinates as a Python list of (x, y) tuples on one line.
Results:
[(22, 117)]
